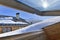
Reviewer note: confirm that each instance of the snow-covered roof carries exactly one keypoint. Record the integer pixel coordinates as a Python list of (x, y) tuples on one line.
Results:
[(5, 17), (10, 22), (33, 27)]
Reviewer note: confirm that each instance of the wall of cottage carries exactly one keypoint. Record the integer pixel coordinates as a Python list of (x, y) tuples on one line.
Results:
[(4, 29)]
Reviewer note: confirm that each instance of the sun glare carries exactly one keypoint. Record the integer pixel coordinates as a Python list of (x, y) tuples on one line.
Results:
[(45, 5)]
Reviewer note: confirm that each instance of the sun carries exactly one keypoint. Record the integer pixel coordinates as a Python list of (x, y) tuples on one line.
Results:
[(45, 5)]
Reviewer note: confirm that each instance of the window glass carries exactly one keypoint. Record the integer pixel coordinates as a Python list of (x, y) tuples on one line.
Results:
[(6, 29), (42, 5)]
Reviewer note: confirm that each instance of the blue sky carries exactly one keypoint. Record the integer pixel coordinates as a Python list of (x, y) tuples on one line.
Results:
[(4, 10)]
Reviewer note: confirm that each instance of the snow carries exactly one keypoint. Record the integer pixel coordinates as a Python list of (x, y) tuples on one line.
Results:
[(33, 27), (11, 22)]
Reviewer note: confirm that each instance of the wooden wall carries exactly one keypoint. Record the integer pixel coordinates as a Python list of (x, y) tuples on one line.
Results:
[(15, 27), (53, 31), (12, 28), (0, 29), (27, 36)]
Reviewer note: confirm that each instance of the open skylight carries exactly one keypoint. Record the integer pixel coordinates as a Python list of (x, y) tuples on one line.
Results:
[(33, 28), (42, 5)]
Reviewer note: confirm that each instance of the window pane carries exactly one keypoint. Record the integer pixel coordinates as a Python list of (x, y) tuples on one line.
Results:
[(42, 5), (6, 29)]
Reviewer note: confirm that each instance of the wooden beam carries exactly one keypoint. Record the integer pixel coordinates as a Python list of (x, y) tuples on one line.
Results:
[(17, 5), (50, 13)]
